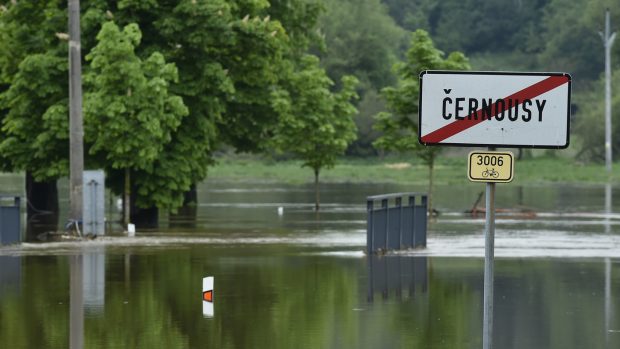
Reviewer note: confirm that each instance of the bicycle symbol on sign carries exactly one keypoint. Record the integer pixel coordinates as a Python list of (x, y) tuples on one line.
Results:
[(490, 173)]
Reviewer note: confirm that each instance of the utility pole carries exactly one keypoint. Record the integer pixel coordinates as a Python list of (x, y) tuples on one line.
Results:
[(76, 129), (608, 41)]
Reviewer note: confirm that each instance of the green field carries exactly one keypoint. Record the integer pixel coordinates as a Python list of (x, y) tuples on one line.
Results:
[(449, 170)]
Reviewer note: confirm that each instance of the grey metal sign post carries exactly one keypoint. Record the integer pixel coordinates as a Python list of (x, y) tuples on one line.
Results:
[(493, 109), (489, 261)]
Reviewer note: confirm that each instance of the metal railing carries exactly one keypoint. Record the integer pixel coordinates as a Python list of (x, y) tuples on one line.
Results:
[(10, 224), (396, 227)]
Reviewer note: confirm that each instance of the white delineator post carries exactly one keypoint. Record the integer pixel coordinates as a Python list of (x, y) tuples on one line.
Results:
[(207, 296)]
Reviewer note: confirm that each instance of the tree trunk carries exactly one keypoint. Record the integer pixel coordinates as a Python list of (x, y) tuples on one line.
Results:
[(41, 207), (127, 198), (431, 166), (316, 190)]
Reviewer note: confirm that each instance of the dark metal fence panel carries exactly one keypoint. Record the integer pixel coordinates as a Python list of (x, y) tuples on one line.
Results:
[(379, 229), (394, 276), (378, 282), (393, 232), (397, 227), (420, 275), (10, 225), (419, 224), (10, 274)]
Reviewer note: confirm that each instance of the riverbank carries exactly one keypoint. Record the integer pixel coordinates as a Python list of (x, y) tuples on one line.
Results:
[(448, 170)]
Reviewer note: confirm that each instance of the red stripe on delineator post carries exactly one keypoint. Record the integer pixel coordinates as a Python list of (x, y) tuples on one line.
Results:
[(530, 92)]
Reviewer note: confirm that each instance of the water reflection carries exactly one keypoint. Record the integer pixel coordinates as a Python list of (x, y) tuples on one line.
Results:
[(298, 281), (608, 301), (395, 274), (76, 302), (10, 275), (185, 217), (86, 292), (94, 281)]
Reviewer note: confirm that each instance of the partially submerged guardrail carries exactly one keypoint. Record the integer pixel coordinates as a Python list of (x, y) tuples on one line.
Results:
[(10, 224), (397, 227)]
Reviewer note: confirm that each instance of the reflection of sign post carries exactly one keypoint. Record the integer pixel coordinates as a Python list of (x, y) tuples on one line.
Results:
[(493, 109), (488, 166)]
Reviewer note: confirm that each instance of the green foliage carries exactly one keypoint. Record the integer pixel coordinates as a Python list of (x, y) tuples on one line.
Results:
[(299, 18), (399, 125), (129, 95), (361, 40), (317, 124), (35, 127), (569, 40), (369, 105), (129, 114), (33, 74), (230, 56), (589, 120), (34, 133)]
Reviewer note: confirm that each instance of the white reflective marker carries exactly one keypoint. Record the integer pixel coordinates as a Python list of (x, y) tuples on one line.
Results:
[(207, 297), (131, 230)]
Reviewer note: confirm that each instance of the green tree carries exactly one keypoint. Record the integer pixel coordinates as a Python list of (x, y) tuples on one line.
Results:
[(399, 125), (230, 56), (361, 39), (129, 113), (34, 93), (316, 123), (33, 98), (30, 102)]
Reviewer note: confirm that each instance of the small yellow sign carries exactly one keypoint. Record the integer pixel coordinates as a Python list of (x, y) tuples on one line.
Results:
[(490, 166)]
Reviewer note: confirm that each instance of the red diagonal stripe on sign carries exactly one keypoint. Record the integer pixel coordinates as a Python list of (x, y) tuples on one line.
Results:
[(530, 92)]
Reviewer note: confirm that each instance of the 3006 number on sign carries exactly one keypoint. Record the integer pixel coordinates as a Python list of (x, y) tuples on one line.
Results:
[(490, 160), (490, 166)]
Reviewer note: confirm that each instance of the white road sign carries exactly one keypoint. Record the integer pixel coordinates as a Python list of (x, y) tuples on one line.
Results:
[(518, 110)]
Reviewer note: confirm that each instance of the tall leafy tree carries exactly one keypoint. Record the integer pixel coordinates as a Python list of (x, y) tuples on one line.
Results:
[(399, 124), (130, 115), (316, 123), (229, 55), (33, 131), (34, 94)]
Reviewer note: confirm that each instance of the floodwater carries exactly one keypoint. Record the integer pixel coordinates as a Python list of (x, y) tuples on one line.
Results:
[(301, 280)]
